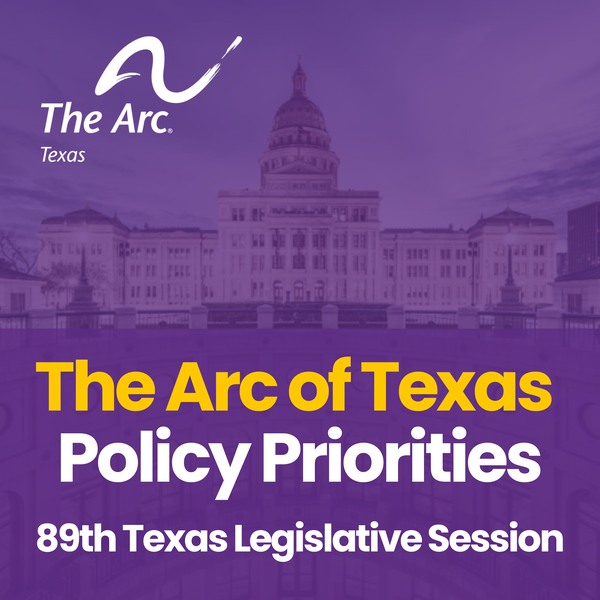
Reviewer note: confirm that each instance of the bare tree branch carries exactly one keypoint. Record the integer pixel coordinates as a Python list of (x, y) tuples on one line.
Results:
[(16, 254)]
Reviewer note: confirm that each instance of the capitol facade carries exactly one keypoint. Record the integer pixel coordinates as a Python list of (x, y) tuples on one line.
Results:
[(299, 238)]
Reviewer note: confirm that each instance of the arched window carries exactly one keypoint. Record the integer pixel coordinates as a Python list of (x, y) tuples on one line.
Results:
[(278, 291), (319, 291), (298, 291)]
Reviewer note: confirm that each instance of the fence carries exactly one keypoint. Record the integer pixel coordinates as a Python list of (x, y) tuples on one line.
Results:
[(301, 316), (85, 320), (232, 317), (157, 319), (441, 319), (579, 321), (507, 320), (13, 320)]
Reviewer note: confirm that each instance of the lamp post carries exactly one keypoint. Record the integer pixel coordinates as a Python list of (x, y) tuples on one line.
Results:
[(510, 240), (473, 252), (123, 254)]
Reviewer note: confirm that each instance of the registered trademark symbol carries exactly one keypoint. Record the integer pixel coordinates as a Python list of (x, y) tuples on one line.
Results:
[(169, 130)]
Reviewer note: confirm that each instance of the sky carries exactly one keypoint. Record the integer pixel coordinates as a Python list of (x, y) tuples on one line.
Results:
[(450, 108)]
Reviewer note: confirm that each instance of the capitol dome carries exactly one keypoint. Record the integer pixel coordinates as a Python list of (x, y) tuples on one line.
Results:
[(299, 121)]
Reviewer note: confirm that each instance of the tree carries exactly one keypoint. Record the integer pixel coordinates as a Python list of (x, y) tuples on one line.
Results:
[(63, 277), (15, 253)]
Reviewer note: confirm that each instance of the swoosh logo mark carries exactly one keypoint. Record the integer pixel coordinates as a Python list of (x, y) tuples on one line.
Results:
[(110, 77)]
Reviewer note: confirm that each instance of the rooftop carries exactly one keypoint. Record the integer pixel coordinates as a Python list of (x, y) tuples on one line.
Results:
[(511, 217), (449, 229), (85, 215), (8, 273), (586, 274)]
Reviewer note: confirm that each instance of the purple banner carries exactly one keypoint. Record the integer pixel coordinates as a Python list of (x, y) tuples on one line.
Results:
[(245, 513)]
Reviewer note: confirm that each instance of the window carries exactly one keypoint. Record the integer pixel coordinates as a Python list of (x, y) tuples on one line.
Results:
[(320, 291), (17, 302), (339, 264), (257, 289), (234, 214), (278, 240), (319, 262), (298, 291), (298, 240), (278, 262), (319, 240), (343, 241), (298, 261), (278, 291), (575, 303), (359, 214)]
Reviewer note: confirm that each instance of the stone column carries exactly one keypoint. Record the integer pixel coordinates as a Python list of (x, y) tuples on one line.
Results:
[(396, 317), (468, 317), (125, 317), (199, 317), (329, 316), (41, 318), (264, 314), (549, 318)]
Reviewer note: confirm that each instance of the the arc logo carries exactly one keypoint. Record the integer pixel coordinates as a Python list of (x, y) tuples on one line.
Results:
[(111, 76)]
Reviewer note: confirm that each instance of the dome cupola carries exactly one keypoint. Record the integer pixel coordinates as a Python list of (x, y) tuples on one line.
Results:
[(299, 121), (299, 157)]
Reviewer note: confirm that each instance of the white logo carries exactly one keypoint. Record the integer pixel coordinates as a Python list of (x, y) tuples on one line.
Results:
[(111, 75)]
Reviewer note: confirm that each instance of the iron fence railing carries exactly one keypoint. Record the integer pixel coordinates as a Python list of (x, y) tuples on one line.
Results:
[(222, 318), (429, 319), (104, 319), (580, 321), (297, 317), (162, 319), (362, 318), (13, 320), (507, 320)]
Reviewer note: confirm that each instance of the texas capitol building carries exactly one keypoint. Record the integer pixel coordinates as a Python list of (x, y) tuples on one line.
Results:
[(299, 238)]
